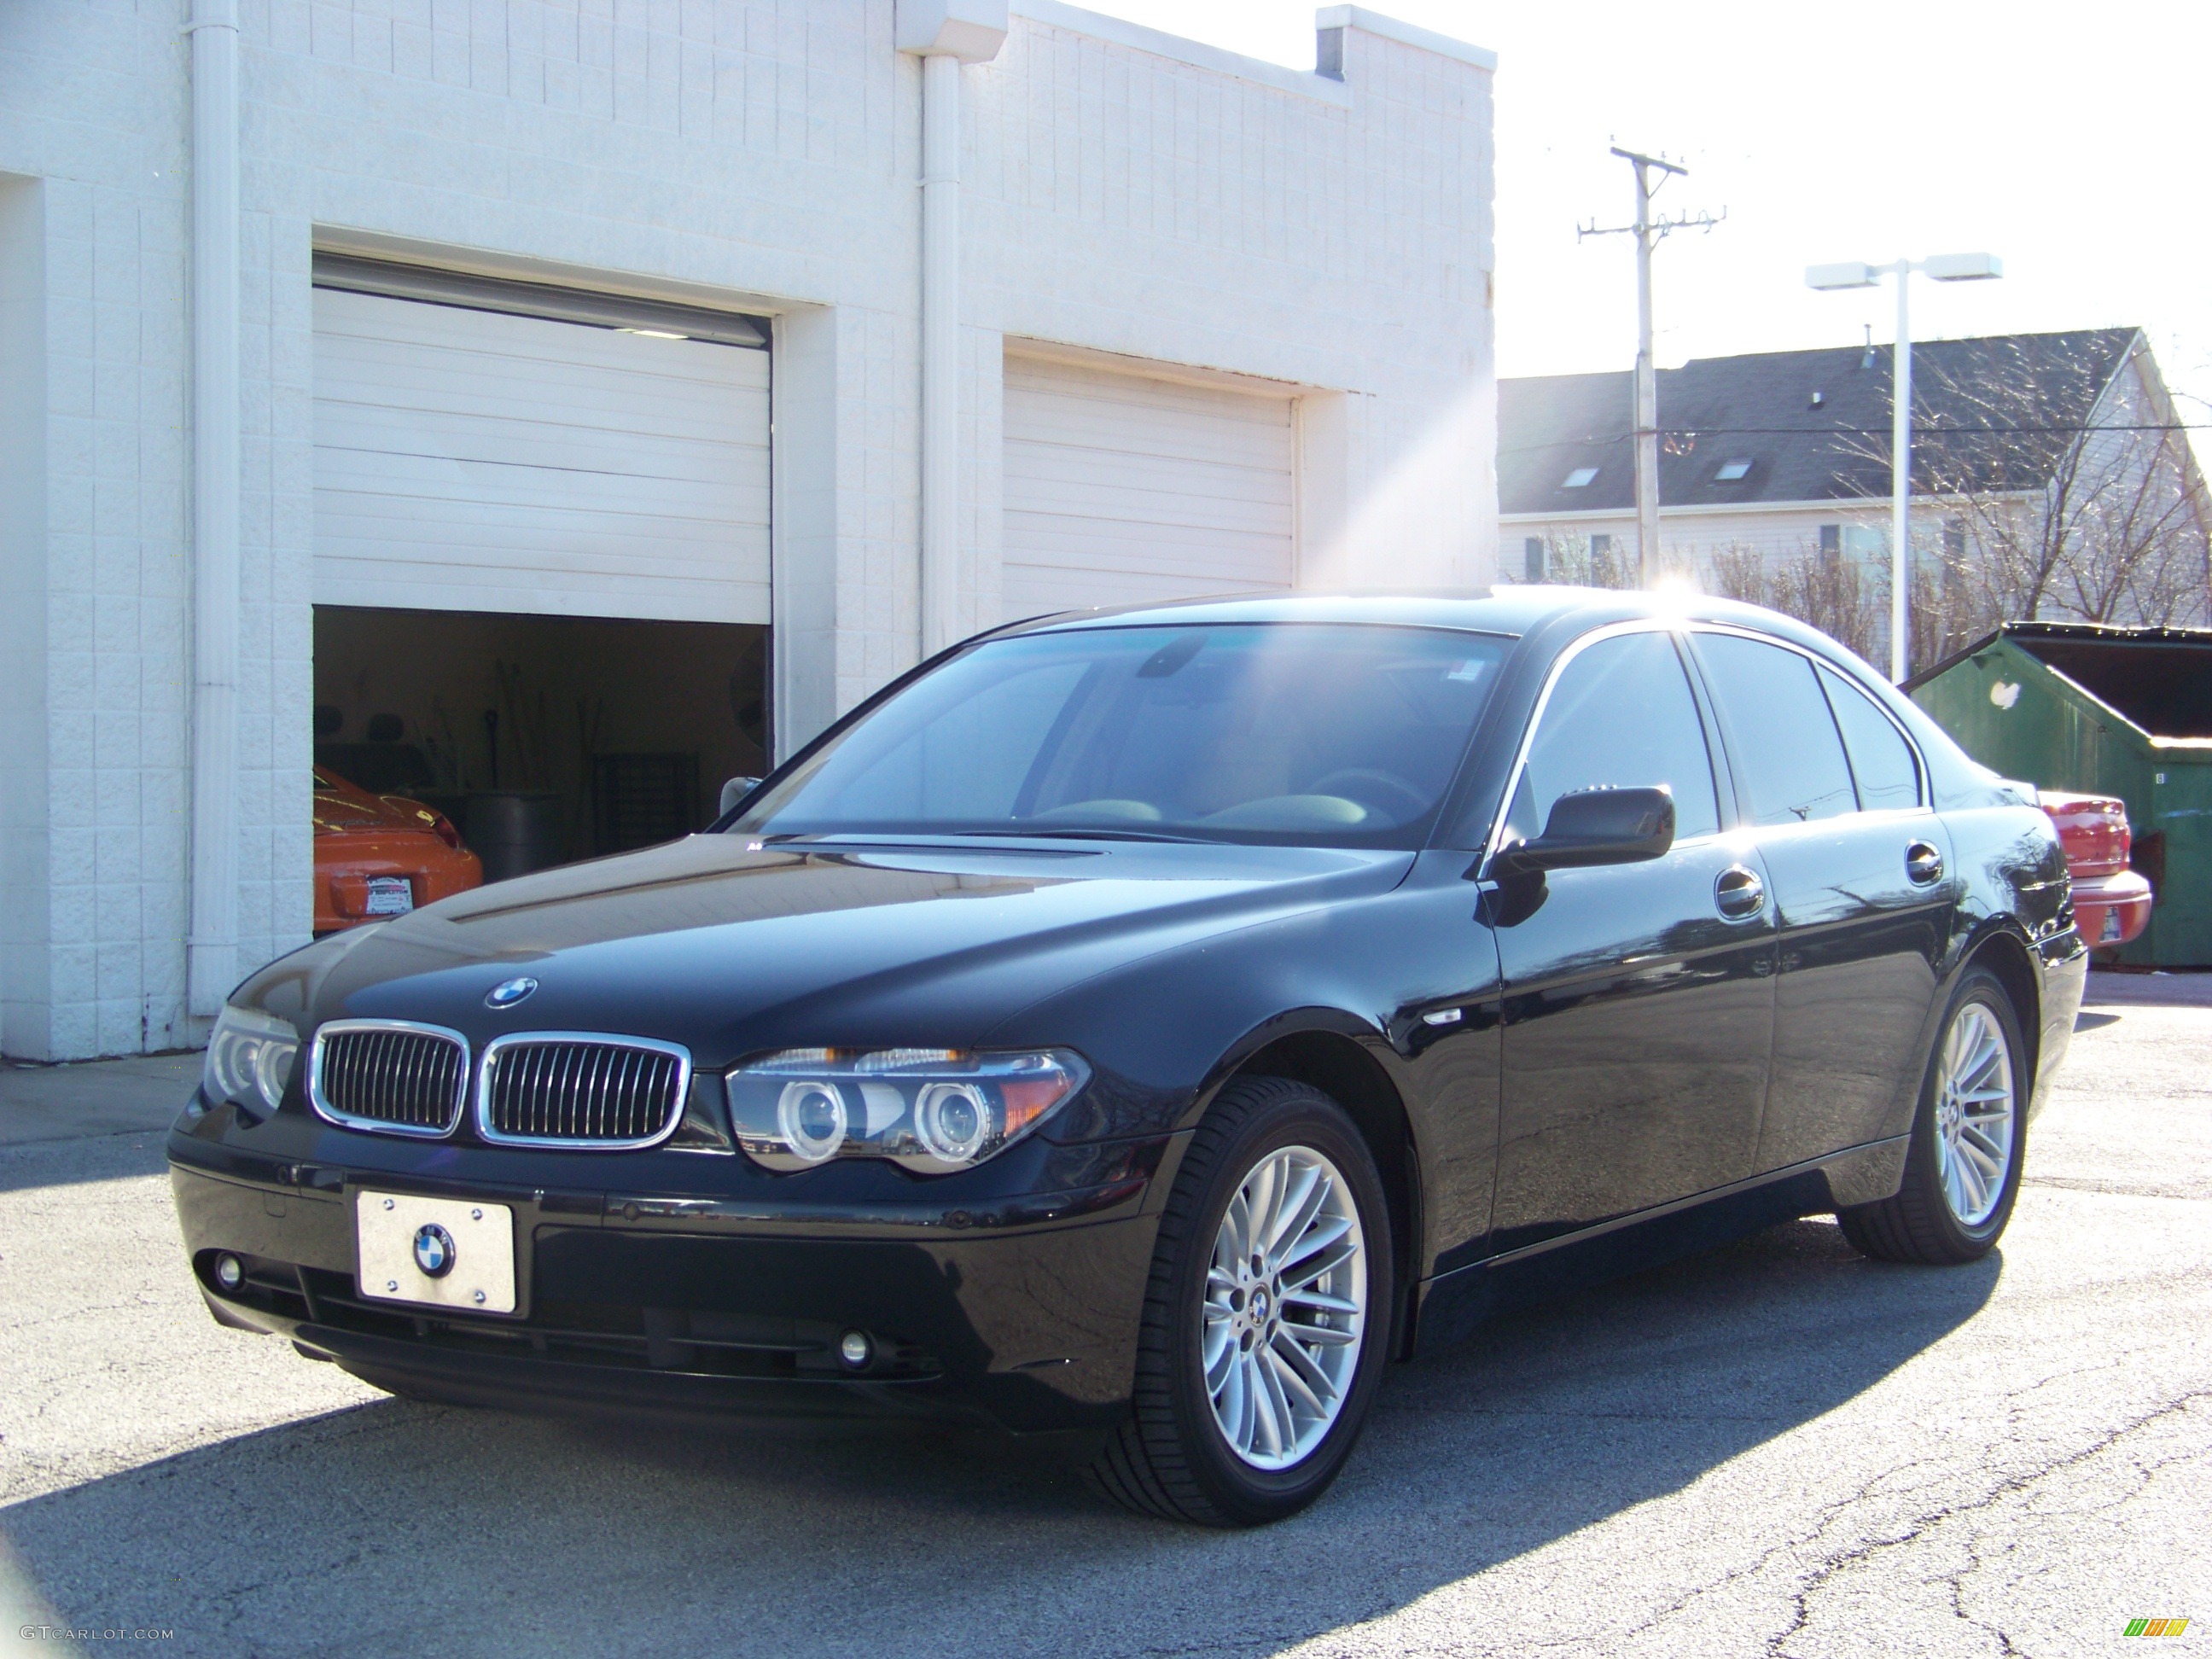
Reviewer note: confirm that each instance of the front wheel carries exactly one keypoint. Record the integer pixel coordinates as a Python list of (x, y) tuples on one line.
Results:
[(1267, 1318), (1962, 1166)]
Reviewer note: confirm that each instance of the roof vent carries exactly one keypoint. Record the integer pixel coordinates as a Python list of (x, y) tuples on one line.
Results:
[(1819, 399), (1579, 479)]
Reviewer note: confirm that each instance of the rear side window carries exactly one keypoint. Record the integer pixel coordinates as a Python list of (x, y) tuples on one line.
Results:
[(1881, 760), (1788, 755), (1619, 715)]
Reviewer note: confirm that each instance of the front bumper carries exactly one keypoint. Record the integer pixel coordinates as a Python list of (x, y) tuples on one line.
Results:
[(1024, 1319)]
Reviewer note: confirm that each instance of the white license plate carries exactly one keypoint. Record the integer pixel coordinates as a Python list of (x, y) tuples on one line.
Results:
[(438, 1252), (2112, 928), (389, 896)]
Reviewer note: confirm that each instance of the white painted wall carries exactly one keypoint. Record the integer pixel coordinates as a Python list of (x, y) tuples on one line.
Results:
[(1126, 192), (1779, 530)]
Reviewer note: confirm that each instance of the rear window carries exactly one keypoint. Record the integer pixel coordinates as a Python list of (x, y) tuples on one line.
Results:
[(1881, 761)]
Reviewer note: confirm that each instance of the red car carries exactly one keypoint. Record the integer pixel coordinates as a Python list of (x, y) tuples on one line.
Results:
[(381, 855), (2112, 903)]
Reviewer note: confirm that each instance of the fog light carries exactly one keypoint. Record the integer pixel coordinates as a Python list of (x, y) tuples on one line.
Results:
[(230, 1272), (854, 1348)]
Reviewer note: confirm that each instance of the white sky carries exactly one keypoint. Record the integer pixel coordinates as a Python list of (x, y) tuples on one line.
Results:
[(2070, 141)]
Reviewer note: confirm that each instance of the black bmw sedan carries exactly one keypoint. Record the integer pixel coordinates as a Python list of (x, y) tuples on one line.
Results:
[(1136, 1029)]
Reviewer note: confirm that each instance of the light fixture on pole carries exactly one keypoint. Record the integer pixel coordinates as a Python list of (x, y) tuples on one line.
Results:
[(1944, 268)]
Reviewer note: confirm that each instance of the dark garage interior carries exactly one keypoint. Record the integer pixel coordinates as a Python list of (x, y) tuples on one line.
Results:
[(545, 739)]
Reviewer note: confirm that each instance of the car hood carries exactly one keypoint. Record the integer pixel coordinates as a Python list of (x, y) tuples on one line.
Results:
[(728, 948)]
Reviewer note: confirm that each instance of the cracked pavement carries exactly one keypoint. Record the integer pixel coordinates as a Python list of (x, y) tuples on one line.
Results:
[(1777, 1448)]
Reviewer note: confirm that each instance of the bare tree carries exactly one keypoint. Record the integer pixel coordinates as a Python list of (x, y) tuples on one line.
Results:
[(1842, 596), (1844, 599), (1738, 572), (2070, 493), (1572, 561)]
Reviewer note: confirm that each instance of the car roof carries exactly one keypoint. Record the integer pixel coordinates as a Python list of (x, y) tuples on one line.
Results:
[(1510, 610)]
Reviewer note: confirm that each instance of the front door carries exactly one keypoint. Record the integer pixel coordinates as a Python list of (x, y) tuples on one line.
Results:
[(1639, 998), (1832, 793)]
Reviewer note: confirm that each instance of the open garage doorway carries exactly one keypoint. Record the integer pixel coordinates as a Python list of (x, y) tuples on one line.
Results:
[(545, 739)]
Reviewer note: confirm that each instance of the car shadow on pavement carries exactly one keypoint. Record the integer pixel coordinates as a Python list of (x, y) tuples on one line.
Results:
[(403, 1527)]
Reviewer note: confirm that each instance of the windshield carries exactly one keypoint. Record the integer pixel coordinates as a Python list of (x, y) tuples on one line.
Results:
[(1303, 733)]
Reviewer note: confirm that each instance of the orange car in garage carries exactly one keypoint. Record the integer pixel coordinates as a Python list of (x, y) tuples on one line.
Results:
[(381, 855)]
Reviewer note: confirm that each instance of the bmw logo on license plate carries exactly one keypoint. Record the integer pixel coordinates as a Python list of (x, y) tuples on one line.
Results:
[(434, 1250), (512, 992)]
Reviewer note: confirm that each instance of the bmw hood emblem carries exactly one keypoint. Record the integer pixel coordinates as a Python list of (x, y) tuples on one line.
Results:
[(434, 1250), (507, 995)]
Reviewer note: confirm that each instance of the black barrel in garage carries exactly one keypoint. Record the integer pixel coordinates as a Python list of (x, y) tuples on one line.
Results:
[(515, 831)]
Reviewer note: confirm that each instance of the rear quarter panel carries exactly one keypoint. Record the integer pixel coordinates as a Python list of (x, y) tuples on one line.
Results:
[(2015, 898)]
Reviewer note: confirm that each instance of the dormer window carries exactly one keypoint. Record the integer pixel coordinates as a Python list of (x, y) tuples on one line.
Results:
[(1732, 470), (1580, 478)]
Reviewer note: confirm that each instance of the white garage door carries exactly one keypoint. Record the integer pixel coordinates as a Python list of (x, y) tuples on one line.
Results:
[(470, 460), (1120, 489)]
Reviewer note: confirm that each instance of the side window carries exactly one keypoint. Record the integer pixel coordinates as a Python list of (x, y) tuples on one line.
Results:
[(1620, 713), (1881, 761), (1784, 742)]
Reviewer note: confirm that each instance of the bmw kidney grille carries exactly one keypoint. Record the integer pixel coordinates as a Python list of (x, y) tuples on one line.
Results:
[(406, 1080), (560, 1089)]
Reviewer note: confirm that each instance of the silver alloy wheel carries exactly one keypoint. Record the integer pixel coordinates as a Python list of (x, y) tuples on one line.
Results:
[(1974, 1115), (1286, 1305)]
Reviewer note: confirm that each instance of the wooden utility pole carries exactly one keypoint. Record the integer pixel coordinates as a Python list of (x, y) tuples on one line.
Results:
[(1647, 231)]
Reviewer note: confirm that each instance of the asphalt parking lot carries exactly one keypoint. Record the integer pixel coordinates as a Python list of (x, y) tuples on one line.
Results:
[(1777, 1448)]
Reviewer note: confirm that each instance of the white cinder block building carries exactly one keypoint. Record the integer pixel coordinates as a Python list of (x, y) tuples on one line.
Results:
[(560, 401)]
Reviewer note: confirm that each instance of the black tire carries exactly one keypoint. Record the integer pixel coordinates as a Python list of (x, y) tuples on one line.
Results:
[(1917, 1224), (1170, 1457)]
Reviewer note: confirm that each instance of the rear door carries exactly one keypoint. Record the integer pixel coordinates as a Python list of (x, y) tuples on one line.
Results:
[(1836, 798)]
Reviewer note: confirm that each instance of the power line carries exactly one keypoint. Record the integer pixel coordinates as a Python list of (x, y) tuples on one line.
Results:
[(1696, 432)]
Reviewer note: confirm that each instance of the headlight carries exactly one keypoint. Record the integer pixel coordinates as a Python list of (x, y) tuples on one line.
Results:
[(250, 1059), (931, 1110)]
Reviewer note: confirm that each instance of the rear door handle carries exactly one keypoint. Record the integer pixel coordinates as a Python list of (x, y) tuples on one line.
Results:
[(1923, 864), (1738, 893)]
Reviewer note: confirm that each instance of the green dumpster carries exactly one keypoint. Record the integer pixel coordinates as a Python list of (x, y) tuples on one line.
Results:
[(2112, 711)]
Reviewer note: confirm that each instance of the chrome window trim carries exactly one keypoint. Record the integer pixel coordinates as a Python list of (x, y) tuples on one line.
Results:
[(499, 1045), (344, 1119), (1919, 761), (1666, 625)]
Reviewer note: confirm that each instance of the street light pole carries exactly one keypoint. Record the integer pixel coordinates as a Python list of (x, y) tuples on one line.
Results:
[(1900, 483), (1943, 268)]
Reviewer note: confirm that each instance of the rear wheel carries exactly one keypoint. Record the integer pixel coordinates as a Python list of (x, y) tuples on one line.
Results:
[(1962, 1168), (1267, 1318)]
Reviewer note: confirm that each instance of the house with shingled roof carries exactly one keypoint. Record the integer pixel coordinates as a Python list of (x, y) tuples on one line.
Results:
[(1774, 478)]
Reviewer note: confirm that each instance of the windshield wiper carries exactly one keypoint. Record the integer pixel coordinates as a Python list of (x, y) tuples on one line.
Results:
[(1088, 834), (789, 836)]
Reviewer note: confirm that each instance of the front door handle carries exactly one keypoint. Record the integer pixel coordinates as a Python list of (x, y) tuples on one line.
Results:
[(1923, 864), (1738, 893)]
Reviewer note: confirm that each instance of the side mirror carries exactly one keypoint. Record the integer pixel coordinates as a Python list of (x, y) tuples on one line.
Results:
[(1598, 826), (735, 791)]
